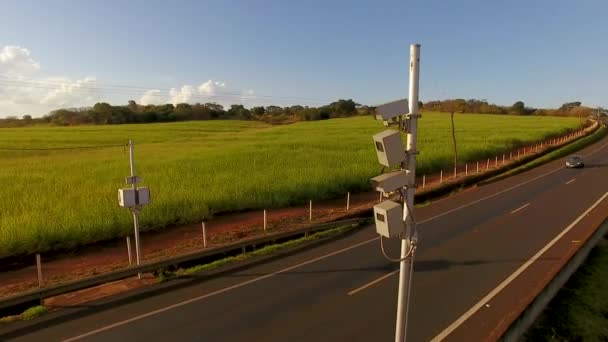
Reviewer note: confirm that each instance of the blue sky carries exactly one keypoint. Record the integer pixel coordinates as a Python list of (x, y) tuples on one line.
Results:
[(544, 53)]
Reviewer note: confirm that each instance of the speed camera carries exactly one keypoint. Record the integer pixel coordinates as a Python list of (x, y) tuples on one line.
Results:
[(389, 148), (389, 219)]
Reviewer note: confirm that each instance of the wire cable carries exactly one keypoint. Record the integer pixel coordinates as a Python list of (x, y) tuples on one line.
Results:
[(413, 239), (60, 148), (141, 90)]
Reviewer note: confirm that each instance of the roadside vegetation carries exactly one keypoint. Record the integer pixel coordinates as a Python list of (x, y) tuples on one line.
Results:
[(29, 314), (62, 198), (266, 250), (579, 312)]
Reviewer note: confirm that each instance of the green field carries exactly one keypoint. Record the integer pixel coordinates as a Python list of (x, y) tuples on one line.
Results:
[(66, 198)]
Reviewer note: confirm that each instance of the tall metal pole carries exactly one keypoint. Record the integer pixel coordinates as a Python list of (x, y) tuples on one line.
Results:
[(406, 264), (135, 211)]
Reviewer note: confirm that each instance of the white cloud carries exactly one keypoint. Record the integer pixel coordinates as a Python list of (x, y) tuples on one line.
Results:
[(211, 87), (68, 93), (21, 95), (183, 95), (151, 97), (15, 60)]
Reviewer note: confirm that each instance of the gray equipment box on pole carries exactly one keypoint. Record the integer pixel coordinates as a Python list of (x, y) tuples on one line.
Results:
[(389, 148), (389, 219)]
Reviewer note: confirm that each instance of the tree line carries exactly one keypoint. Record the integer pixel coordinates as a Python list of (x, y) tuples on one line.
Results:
[(103, 113), (518, 108)]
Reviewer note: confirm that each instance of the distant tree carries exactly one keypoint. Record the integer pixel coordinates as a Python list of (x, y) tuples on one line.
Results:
[(26, 118), (239, 112), (183, 112), (258, 111), (518, 108), (133, 106)]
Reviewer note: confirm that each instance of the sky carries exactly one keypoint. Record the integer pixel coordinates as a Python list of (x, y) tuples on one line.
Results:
[(56, 54)]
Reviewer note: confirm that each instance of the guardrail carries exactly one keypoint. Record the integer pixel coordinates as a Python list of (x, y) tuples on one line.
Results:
[(39, 294)]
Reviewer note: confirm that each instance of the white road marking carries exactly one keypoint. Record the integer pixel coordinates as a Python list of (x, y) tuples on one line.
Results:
[(151, 313), (570, 181), (170, 307), (372, 283), (512, 277), (520, 208)]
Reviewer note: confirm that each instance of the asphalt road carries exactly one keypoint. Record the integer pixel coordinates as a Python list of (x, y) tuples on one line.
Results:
[(469, 244)]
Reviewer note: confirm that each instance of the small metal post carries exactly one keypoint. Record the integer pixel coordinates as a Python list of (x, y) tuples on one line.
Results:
[(477, 170), (39, 267), (310, 211), (488, 164), (503, 159), (135, 211), (455, 170), (204, 235), (129, 250), (496, 162), (441, 177), (423, 181), (264, 219), (347, 201), (466, 169)]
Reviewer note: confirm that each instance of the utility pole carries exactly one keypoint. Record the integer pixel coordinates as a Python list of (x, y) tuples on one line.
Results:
[(134, 198), (397, 219), (407, 263), (135, 210)]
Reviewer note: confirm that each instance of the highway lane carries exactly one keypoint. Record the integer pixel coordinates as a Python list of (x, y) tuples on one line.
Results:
[(463, 255)]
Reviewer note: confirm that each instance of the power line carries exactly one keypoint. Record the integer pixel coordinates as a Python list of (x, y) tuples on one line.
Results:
[(145, 90), (79, 88), (60, 148)]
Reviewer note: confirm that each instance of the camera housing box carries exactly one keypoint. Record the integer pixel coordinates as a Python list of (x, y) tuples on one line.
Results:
[(389, 148), (391, 182), (143, 195), (126, 197), (392, 110), (129, 197), (389, 219)]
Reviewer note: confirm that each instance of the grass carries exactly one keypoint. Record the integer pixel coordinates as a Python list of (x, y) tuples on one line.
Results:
[(266, 250), (67, 198), (559, 153), (579, 312), (29, 314)]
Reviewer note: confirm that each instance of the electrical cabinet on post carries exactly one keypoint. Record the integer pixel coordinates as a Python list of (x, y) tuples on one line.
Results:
[(389, 219)]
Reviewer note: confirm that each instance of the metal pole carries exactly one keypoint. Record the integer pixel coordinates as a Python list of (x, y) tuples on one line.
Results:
[(496, 162), (310, 211), (405, 273), (39, 268), (423, 181), (477, 171), (347, 201), (441, 177), (466, 169), (135, 211), (503, 159), (264, 219), (205, 234), (129, 250), (488, 164)]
